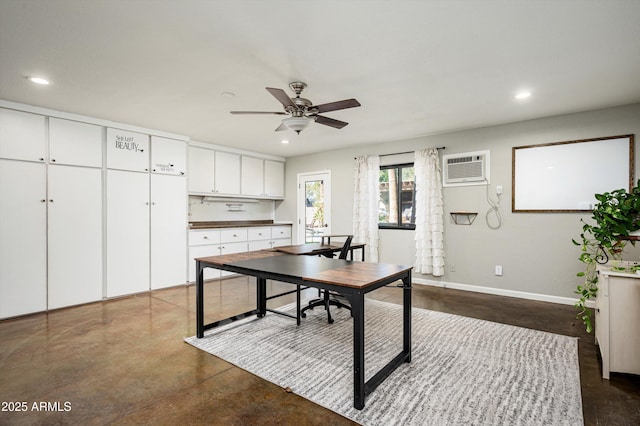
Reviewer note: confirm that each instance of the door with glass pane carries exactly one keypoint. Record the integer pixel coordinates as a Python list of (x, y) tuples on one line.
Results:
[(314, 206)]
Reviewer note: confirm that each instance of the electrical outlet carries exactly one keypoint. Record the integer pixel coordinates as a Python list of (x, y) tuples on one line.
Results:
[(452, 268), (499, 270), (499, 189)]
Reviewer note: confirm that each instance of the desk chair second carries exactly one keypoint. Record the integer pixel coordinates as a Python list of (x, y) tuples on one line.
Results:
[(327, 299)]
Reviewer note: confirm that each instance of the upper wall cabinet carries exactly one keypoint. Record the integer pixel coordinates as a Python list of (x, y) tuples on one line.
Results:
[(127, 150), (74, 143), (262, 178), (22, 135), (213, 172), (168, 156), (273, 179), (201, 170), (227, 173)]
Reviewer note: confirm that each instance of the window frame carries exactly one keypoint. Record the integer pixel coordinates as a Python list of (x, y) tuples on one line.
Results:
[(399, 224)]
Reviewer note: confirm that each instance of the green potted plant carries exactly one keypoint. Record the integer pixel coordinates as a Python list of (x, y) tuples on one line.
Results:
[(616, 216)]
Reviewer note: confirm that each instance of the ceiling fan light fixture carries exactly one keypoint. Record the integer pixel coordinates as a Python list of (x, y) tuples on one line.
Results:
[(297, 124)]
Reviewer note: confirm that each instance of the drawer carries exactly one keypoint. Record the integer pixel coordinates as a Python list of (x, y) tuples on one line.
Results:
[(281, 232), (199, 237), (261, 233), (230, 248), (232, 235)]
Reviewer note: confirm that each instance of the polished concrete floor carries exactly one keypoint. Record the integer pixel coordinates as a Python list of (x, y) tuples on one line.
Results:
[(125, 362)]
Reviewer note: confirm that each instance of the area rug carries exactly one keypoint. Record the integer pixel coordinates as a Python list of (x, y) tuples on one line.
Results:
[(463, 371)]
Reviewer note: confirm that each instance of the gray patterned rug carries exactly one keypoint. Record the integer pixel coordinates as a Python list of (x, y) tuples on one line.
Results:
[(463, 371)]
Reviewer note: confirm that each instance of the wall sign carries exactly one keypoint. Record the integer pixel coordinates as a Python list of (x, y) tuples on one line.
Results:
[(564, 176), (127, 150)]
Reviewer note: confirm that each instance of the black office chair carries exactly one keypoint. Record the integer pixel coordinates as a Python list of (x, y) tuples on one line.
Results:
[(327, 299)]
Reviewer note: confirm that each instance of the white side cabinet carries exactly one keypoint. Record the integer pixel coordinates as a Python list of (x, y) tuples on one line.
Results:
[(23, 241), (74, 236), (22, 135), (168, 230), (127, 232), (75, 143), (127, 150), (617, 317)]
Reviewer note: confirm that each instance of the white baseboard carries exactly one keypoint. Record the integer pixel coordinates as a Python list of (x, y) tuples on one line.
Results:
[(501, 292)]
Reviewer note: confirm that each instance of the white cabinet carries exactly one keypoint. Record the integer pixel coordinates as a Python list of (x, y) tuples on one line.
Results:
[(168, 231), (23, 249), (127, 150), (262, 178), (203, 243), (273, 179), (617, 316), (227, 173), (252, 176), (213, 172), (74, 235), (75, 143), (201, 170), (168, 156), (146, 232), (281, 235), (127, 232), (22, 135)]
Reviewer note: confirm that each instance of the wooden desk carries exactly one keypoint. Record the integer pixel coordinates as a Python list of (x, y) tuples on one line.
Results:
[(351, 279), (320, 249)]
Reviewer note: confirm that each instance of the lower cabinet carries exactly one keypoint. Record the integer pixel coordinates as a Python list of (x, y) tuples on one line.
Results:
[(168, 231), (127, 232), (146, 231), (214, 242), (23, 238), (617, 317), (75, 235)]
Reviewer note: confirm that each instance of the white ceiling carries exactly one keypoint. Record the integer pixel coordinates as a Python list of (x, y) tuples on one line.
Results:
[(417, 67)]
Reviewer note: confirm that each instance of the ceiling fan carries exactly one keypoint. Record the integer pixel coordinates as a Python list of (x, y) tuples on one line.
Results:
[(302, 112)]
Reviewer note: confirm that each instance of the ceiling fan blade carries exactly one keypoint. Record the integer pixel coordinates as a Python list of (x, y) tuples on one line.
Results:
[(258, 112), (334, 106), (281, 127), (330, 122), (281, 96)]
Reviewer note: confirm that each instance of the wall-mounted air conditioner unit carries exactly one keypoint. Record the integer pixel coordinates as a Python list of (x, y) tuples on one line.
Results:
[(469, 168)]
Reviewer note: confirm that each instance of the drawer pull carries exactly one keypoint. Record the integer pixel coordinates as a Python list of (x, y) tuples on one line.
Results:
[(206, 238)]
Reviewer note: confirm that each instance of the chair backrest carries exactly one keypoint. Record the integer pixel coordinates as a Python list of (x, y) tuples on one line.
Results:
[(345, 248)]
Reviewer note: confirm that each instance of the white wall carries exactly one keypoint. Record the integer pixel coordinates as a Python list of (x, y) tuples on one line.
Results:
[(534, 249)]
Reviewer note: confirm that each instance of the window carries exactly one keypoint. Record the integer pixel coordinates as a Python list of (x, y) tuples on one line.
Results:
[(397, 197)]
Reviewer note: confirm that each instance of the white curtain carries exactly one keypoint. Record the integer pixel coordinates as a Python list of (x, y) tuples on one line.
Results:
[(366, 197), (429, 213)]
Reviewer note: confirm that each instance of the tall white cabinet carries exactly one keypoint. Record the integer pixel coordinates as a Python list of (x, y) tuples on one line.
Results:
[(146, 216), (77, 226), (51, 214), (23, 242)]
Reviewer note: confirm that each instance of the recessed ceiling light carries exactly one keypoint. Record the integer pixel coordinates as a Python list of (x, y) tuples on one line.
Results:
[(285, 141), (39, 80), (522, 95), (227, 95)]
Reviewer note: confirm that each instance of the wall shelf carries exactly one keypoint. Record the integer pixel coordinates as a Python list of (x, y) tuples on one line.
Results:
[(463, 218)]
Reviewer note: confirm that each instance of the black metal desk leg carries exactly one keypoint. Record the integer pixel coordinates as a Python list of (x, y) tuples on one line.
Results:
[(262, 296), (357, 311), (199, 300), (406, 326)]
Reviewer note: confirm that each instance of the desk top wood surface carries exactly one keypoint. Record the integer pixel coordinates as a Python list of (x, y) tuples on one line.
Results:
[(310, 268)]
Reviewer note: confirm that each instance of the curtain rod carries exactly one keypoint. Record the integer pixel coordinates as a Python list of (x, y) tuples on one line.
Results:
[(399, 153)]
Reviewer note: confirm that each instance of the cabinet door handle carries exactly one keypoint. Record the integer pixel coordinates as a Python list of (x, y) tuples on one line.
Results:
[(43, 201), (171, 165), (41, 159), (206, 238), (53, 160), (51, 200)]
